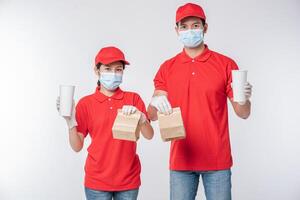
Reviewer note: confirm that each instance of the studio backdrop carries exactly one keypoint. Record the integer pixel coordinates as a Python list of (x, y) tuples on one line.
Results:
[(47, 43)]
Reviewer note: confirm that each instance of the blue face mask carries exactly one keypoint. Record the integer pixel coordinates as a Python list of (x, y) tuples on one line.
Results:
[(110, 81), (191, 38)]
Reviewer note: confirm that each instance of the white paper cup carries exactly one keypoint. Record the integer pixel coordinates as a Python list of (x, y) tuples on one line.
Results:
[(239, 78), (66, 93)]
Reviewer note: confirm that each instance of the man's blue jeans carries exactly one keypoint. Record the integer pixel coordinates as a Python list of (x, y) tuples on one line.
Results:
[(184, 184), (106, 195)]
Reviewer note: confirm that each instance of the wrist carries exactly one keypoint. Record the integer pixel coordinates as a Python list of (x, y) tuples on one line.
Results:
[(71, 123), (244, 103), (143, 119), (142, 123)]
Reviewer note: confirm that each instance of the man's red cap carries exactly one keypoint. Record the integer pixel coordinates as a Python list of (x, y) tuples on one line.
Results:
[(189, 10), (109, 55)]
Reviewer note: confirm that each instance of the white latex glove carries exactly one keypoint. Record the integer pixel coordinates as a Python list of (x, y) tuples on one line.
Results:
[(71, 121), (162, 104), (248, 92), (128, 110)]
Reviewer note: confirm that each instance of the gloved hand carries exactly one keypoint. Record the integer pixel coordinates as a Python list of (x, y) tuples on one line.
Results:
[(71, 121), (248, 92), (128, 110), (162, 104)]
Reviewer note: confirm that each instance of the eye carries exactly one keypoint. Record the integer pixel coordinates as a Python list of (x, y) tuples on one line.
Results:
[(196, 26), (182, 27)]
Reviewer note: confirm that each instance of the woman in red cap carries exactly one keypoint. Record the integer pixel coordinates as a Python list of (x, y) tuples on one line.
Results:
[(112, 169)]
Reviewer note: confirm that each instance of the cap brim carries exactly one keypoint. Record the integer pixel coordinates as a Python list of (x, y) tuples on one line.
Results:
[(126, 62), (106, 62), (190, 15)]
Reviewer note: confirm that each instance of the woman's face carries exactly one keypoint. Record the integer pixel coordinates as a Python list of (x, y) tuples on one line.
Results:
[(115, 67)]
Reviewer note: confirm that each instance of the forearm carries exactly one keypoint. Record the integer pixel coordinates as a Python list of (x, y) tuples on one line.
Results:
[(147, 130), (243, 111), (75, 139), (152, 113)]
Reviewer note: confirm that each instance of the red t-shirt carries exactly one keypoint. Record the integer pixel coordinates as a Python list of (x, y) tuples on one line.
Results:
[(200, 87), (111, 164)]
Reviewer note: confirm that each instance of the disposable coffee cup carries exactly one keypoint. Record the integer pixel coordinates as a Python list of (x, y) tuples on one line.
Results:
[(66, 94), (239, 79)]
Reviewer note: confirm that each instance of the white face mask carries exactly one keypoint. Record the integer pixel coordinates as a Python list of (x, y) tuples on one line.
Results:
[(110, 81), (191, 38)]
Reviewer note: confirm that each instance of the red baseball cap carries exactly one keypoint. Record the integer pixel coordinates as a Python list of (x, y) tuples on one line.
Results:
[(109, 55), (189, 10)]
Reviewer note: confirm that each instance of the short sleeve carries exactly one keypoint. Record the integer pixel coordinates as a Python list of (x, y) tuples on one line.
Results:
[(139, 104), (81, 118), (160, 79), (230, 66)]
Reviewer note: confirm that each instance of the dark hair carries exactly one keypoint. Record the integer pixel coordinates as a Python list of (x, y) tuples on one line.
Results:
[(98, 65), (202, 20)]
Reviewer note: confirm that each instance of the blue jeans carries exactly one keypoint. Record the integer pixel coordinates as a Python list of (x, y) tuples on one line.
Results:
[(108, 195), (184, 184)]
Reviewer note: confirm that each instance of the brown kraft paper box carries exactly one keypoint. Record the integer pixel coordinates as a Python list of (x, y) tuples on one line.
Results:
[(126, 126), (171, 126)]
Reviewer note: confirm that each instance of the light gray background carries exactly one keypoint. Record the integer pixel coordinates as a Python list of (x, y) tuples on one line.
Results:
[(47, 43)]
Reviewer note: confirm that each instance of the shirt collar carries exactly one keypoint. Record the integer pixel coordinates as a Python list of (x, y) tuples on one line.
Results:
[(119, 94), (184, 58)]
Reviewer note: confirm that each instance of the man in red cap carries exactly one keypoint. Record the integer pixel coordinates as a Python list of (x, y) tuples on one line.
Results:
[(198, 81), (112, 168)]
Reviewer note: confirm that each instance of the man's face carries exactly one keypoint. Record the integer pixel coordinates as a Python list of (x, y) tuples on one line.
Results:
[(190, 23), (115, 67)]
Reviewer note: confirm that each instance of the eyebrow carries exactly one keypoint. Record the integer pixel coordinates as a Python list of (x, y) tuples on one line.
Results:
[(197, 22), (119, 66)]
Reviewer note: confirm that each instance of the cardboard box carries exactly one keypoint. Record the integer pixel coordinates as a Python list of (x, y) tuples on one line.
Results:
[(171, 126), (126, 126)]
